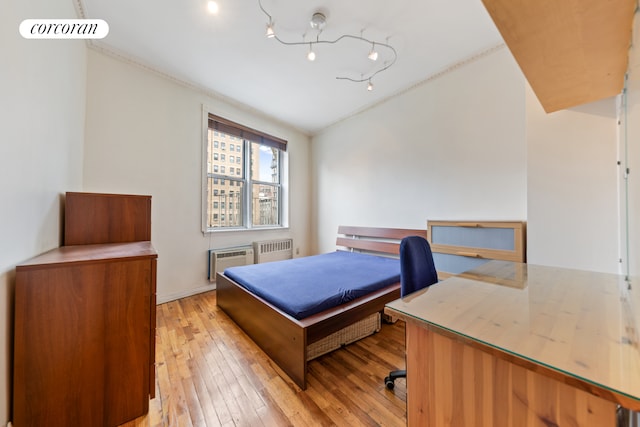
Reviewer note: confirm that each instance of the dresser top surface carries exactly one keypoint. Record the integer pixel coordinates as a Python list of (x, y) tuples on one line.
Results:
[(583, 324), (91, 253)]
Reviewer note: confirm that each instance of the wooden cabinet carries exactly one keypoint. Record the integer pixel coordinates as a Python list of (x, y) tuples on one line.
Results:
[(459, 246), (84, 339), (106, 218)]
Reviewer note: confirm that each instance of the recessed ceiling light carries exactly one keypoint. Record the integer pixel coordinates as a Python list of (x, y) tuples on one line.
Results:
[(212, 6)]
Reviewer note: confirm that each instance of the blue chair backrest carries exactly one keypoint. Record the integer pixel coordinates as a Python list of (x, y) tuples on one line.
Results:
[(417, 269)]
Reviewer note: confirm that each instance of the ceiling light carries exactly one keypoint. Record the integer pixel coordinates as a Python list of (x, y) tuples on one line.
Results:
[(311, 56), (270, 33), (318, 22), (373, 55), (212, 6)]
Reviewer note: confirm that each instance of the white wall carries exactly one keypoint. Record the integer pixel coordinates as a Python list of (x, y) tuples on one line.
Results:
[(474, 143), (450, 148), (144, 136), (572, 220), (42, 108)]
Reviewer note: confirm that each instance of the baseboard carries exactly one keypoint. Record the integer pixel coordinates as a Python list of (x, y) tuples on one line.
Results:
[(161, 299)]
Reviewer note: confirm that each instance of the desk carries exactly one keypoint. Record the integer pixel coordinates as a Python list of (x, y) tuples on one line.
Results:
[(511, 344)]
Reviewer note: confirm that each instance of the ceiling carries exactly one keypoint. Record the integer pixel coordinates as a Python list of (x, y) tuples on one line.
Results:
[(228, 53)]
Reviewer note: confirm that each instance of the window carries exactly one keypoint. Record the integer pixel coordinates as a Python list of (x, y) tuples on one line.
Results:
[(256, 199)]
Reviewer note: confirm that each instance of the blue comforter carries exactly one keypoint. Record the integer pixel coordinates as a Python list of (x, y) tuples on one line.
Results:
[(305, 286)]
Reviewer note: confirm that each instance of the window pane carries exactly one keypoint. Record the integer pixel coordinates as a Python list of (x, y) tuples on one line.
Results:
[(265, 165), (265, 205), (224, 208)]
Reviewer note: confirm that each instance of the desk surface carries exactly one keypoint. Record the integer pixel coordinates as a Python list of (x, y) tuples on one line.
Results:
[(582, 324)]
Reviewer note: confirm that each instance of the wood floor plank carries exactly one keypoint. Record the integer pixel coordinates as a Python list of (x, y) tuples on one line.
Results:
[(209, 373)]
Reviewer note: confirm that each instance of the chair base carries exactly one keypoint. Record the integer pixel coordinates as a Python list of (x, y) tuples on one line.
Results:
[(393, 375)]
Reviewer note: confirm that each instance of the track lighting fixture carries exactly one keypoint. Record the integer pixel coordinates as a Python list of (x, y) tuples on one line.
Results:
[(317, 23)]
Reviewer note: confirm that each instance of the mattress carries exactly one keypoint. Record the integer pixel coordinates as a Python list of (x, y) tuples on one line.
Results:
[(305, 286)]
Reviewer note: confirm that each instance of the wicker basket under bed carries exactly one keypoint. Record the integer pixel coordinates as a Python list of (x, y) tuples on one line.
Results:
[(362, 328)]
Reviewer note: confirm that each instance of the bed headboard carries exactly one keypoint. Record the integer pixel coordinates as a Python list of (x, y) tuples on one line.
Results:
[(374, 239)]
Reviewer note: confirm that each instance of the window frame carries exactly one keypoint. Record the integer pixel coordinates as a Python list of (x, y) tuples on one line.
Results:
[(244, 142)]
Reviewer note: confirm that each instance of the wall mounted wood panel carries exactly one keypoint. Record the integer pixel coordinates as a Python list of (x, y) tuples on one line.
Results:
[(571, 52)]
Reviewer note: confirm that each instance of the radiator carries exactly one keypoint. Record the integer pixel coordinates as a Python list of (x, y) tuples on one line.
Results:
[(219, 259), (272, 250)]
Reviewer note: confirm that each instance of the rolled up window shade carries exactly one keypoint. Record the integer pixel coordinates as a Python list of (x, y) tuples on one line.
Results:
[(226, 126)]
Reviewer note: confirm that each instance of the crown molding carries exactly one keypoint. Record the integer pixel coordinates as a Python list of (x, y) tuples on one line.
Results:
[(203, 90), (137, 62)]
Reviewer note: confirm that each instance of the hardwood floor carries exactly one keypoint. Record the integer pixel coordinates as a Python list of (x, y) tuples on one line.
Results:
[(209, 373)]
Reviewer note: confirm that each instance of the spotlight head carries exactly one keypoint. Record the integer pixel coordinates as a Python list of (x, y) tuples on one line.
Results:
[(270, 33)]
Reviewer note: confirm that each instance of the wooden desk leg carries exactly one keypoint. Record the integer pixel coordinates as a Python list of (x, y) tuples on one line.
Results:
[(450, 383)]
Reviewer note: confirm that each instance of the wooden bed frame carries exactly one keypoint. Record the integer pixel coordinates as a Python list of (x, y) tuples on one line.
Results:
[(284, 338)]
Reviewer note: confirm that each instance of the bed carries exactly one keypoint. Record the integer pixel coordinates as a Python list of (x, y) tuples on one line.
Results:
[(292, 337)]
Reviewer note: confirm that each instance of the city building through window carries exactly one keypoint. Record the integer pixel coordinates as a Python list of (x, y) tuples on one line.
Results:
[(249, 193)]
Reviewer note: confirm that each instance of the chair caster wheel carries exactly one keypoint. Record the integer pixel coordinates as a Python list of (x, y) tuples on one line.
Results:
[(389, 383)]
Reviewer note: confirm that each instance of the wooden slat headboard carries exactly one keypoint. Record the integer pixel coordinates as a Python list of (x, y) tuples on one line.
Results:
[(374, 239)]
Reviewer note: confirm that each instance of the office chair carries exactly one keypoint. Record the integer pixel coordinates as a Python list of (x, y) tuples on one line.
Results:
[(417, 271)]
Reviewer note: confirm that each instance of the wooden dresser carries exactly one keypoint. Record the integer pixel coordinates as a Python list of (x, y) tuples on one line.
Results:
[(84, 342)]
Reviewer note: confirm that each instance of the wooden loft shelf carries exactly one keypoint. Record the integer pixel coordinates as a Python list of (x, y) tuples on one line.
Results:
[(572, 51)]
